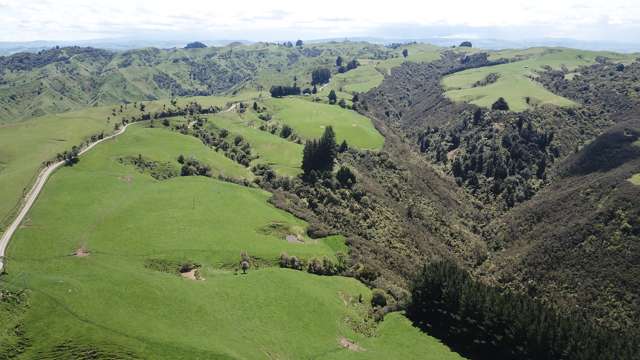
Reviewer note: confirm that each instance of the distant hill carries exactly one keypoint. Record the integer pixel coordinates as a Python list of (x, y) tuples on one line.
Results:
[(67, 78)]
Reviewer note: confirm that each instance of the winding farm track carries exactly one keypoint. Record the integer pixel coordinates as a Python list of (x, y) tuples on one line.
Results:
[(32, 195)]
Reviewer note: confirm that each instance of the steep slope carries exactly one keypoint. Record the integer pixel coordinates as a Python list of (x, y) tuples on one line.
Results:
[(573, 240), (577, 242)]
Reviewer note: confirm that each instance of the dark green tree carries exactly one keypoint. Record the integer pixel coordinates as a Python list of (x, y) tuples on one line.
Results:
[(320, 76), (332, 97), (345, 177), (500, 104), (319, 155), (405, 53)]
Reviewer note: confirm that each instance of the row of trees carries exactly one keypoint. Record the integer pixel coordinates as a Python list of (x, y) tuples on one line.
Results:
[(278, 91), (490, 323)]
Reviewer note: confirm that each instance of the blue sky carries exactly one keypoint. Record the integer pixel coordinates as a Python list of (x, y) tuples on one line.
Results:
[(27, 20)]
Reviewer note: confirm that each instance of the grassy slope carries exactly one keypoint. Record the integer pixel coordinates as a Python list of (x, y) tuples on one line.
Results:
[(284, 156), (309, 119), (26, 144), (109, 300), (515, 83)]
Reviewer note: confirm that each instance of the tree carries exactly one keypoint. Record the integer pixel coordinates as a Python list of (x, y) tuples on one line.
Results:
[(255, 106), (342, 103), (299, 43), (245, 266), (466, 44), (343, 147), (332, 97), (500, 104), (339, 61), (320, 76), (245, 262), (314, 90), (405, 53)]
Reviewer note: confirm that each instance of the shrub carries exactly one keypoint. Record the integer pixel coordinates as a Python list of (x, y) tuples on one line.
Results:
[(378, 298), (286, 131)]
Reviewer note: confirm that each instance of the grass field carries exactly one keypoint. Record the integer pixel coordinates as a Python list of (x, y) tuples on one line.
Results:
[(108, 302), (515, 81), (309, 120), (635, 179)]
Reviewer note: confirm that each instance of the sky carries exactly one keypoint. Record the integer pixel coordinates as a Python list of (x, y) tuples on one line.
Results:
[(256, 20)]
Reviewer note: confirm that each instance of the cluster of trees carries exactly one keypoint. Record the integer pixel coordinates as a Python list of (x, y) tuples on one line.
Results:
[(195, 45), (466, 44), (278, 91), (319, 155), (320, 76), (192, 167), (491, 323), (318, 266), (353, 64)]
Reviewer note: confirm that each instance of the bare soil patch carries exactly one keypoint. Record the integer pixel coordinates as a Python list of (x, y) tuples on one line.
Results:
[(192, 274), (294, 239), (81, 252), (350, 345)]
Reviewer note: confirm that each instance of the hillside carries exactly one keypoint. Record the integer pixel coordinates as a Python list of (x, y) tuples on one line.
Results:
[(63, 79), (132, 238), (516, 169)]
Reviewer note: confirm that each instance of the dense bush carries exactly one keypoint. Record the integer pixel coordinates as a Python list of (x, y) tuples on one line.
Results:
[(192, 167)]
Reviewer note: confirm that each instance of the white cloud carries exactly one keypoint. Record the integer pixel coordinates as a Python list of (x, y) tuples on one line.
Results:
[(23, 20)]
